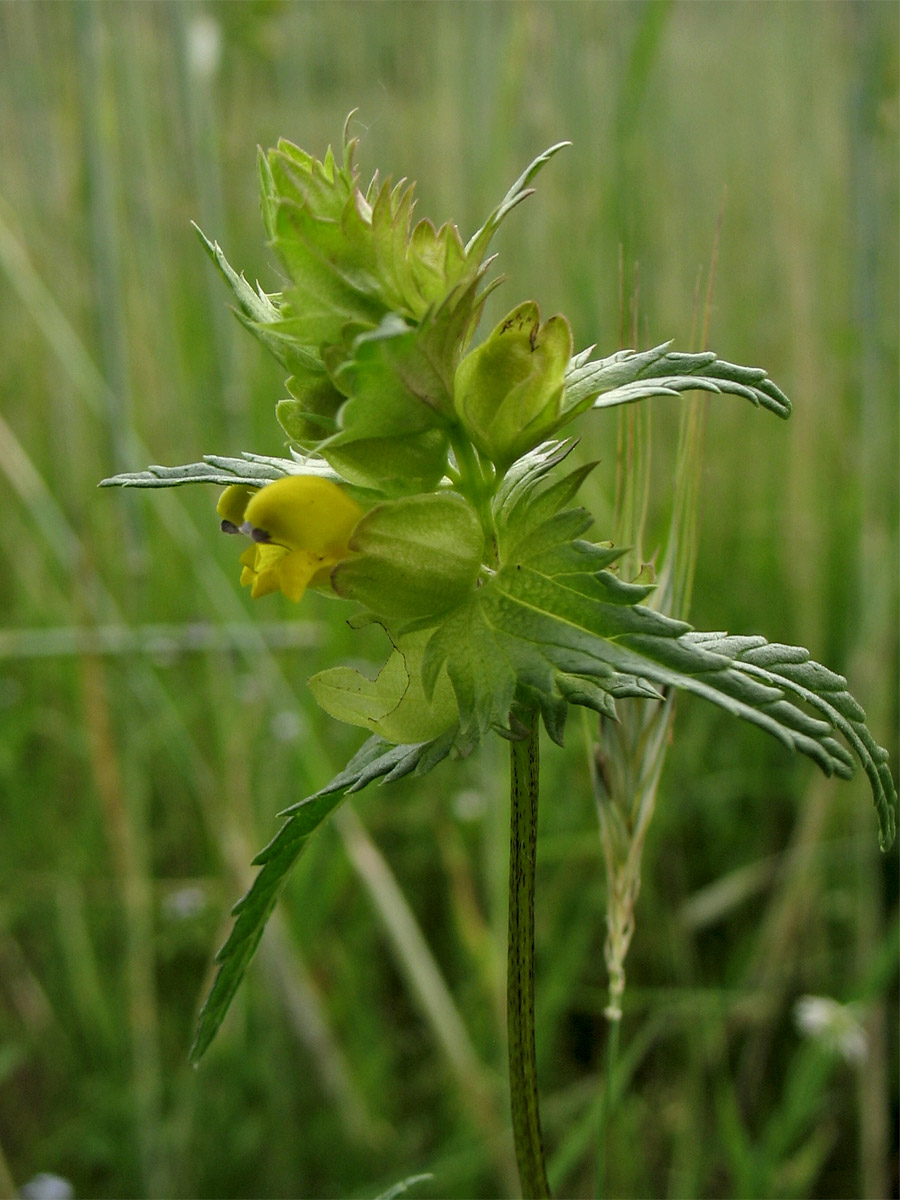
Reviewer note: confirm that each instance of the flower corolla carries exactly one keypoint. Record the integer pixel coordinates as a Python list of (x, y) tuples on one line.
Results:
[(299, 525)]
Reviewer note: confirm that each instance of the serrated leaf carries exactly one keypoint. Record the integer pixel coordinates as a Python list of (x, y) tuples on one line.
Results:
[(392, 385), (310, 415), (268, 196), (524, 517), (399, 377), (558, 613), (563, 527), (630, 375), (437, 260), (262, 315), (521, 480), (377, 759), (299, 178), (586, 692), (252, 303), (483, 677), (329, 287), (252, 470), (791, 668), (354, 257)]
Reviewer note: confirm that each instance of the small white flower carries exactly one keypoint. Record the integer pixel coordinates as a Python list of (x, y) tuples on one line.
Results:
[(287, 725), (469, 805), (204, 45), (46, 1186), (184, 903), (836, 1026)]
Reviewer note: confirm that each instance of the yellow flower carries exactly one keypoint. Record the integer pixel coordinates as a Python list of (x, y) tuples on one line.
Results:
[(300, 526)]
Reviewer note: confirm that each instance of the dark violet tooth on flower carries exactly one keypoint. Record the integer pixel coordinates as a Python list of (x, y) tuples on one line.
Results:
[(228, 526), (299, 527)]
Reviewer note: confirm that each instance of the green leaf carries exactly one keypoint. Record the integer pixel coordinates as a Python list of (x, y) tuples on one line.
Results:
[(425, 267), (254, 470), (422, 266), (394, 705), (534, 517), (399, 377), (311, 413), (353, 258), (375, 760), (630, 375), (387, 427), (553, 613), (437, 260), (392, 385), (391, 212), (523, 476), (299, 178), (331, 283), (791, 668), (252, 302), (483, 668)]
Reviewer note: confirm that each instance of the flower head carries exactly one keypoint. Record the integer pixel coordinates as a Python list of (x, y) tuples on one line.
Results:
[(300, 526)]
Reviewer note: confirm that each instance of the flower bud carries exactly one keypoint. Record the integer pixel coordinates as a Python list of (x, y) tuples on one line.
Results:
[(508, 391)]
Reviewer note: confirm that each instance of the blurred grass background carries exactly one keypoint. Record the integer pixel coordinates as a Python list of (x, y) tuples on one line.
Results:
[(154, 722)]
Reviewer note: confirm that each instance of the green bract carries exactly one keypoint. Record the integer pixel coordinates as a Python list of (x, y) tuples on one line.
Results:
[(374, 317), (455, 532), (395, 705)]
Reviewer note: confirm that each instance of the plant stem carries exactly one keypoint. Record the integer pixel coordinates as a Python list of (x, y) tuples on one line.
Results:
[(477, 481), (612, 1053), (526, 1122)]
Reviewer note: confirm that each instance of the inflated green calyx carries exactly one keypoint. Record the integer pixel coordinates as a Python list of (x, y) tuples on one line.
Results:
[(415, 558), (509, 391)]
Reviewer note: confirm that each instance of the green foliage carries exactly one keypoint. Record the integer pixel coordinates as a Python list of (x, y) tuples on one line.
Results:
[(395, 705), (480, 548), (556, 626), (253, 470), (375, 318), (377, 759), (553, 627), (761, 880), (629, 375)]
